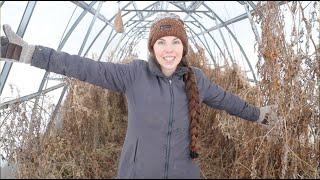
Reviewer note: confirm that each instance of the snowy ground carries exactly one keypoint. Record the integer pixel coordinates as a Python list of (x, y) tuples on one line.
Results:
[(7, 172)]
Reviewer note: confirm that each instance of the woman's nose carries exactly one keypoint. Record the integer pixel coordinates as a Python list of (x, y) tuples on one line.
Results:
[(168, 47)]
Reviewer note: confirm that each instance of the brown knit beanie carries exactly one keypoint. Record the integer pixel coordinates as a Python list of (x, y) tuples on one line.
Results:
[(168, 24)]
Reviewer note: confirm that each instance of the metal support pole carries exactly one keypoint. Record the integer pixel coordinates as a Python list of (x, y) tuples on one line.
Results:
[(20, 32)]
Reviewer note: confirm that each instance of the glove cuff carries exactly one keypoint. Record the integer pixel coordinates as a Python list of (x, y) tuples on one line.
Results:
[(262, 117), (27, 53)]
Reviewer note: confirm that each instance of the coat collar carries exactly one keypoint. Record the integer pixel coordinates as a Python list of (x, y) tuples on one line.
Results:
[(154, 67)]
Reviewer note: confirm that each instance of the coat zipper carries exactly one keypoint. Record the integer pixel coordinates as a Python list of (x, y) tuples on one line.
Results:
[(169, 132)]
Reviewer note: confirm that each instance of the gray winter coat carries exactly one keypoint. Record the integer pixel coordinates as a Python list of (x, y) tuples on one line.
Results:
[(157, 139)]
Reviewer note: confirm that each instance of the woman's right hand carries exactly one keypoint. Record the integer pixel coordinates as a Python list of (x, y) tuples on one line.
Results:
[(14, 48)]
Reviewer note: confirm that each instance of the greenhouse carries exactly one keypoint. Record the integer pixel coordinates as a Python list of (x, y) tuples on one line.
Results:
[(72, 85)]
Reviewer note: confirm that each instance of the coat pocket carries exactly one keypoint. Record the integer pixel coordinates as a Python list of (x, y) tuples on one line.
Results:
[(134, 160), (127, 164), (135, 151)]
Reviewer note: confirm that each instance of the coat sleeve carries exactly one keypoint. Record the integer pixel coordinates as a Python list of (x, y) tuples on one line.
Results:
[(216, 97), (116, 77)]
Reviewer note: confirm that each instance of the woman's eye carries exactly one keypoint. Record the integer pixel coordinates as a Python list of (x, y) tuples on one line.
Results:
[(176, 42), (160, 42)]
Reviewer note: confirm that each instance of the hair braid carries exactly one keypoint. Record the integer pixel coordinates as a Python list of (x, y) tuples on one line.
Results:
[(194, 109)]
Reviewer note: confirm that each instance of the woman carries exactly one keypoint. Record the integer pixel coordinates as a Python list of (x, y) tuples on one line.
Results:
[(163, 96)]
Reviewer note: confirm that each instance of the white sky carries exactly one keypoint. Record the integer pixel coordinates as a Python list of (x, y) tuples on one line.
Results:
[(49, 20)]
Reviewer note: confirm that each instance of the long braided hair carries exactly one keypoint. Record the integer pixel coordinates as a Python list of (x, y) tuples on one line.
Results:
[(193, 108)]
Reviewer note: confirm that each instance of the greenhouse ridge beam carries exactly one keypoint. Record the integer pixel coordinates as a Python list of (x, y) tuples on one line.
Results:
[(162, 10), (125, 24), (152, 21)]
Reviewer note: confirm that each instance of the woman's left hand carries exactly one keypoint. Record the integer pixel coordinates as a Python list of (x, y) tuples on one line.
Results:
[(268, 114), (269, 119)]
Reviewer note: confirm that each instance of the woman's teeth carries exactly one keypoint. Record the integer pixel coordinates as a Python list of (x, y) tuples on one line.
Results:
[(168, 58)]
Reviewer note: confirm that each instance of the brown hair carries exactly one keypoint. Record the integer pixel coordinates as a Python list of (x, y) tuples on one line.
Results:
[(194, 108)]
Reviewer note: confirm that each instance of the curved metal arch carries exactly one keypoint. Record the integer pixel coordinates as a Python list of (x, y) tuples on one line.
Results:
[(209, 51), (66, 86), (134, 42), (215, 42), (90, 27), (21, 30), (203, 28), (146, 8), (127, 43), (75, 24), (102, 29), (191, 34), (64, 40), (96, 37), (154, 4), (144, 26), (236, 40), (60, 46), (205, 39), (131, 24), (224, 42), (79, 52)]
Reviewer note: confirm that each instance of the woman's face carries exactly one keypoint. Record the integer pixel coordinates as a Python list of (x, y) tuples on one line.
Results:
[(168, 51)]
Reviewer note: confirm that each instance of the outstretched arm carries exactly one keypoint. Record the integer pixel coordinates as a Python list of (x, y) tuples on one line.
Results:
[(112, 76), (109, 75), (214, 96)]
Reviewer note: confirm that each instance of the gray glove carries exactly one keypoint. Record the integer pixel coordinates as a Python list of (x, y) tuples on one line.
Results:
[(14, 48), (271, 121), (268, 114)]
